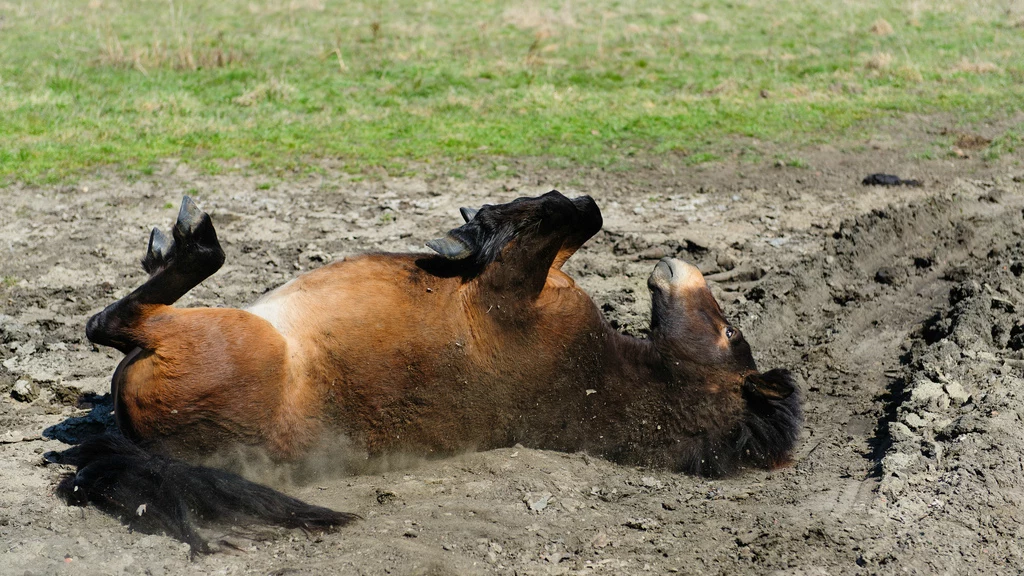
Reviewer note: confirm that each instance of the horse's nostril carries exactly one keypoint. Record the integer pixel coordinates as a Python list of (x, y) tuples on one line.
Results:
[(666, 268)]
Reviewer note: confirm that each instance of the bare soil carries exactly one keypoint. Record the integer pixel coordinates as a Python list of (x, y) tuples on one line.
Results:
[(899, 308)]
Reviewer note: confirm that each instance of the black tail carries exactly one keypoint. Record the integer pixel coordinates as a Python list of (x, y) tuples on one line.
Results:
[(155, 493)]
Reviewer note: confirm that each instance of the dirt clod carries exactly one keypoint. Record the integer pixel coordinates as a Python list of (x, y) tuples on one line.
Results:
[(891, 275), (888, 180), (25, 391)]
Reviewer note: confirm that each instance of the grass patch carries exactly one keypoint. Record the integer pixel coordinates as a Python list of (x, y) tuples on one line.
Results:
[(790, 162), (281, 84)]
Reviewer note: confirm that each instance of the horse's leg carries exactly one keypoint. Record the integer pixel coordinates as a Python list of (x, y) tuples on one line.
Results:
[(197, 378), (176, 265), (210, 377)]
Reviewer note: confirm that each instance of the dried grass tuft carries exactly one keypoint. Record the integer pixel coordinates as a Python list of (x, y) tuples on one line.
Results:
[(881, 28), (879, 61), (185, 55), (965, 65), (275, 90)]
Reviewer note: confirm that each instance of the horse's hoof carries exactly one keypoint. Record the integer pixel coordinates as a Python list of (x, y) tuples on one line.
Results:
[(158, 253)]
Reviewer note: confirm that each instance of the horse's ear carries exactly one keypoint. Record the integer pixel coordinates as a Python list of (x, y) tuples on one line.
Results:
[(451, 247), (777, 384), (468, 213), (462, 242)]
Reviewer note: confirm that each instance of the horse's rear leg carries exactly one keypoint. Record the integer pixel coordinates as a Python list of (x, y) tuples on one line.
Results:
[(175, 265)]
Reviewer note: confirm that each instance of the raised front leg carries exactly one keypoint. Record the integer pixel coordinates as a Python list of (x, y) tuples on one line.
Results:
[(513, 247), (175, 265)]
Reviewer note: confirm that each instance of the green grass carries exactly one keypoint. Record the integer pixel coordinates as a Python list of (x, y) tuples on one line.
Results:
[(282, 84)]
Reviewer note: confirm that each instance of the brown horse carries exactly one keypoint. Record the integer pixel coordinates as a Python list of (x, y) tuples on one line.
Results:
[(485, 345)]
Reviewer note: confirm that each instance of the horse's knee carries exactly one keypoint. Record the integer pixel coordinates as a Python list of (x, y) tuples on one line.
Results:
[(108, 329), (120, 325), (95, 330)]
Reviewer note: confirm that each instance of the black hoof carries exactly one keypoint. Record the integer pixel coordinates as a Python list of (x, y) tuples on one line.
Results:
[(190, 219), (158, 254), (195, 240)]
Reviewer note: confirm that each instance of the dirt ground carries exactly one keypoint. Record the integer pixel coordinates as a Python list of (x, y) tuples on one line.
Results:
[(897, 307)]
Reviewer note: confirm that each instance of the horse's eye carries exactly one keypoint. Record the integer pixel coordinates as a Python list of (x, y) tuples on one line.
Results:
[(729, 332)]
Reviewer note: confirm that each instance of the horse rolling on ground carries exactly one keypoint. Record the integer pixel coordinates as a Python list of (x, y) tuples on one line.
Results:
[(486, 344)]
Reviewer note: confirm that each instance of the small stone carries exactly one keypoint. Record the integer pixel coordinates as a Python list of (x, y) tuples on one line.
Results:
[(899, 432), (650, 482), (645, 524), (314, 255), (914, 421), (600, 540), (24, 391), (537, 502), (927, 393), (555, 557), (890, 275), (655, 253), (725, 261), (897, 461), (957, 393), (747, 538)]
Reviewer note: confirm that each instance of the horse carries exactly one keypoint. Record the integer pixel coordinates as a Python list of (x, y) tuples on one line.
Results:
[(485, 343)]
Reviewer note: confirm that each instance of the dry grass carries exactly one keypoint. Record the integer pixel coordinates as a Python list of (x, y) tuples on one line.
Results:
[(979, 67), (879, 61), (181, 53), (532, 16), (910, 74), (972, 141), (274, 91), (881, 28)]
